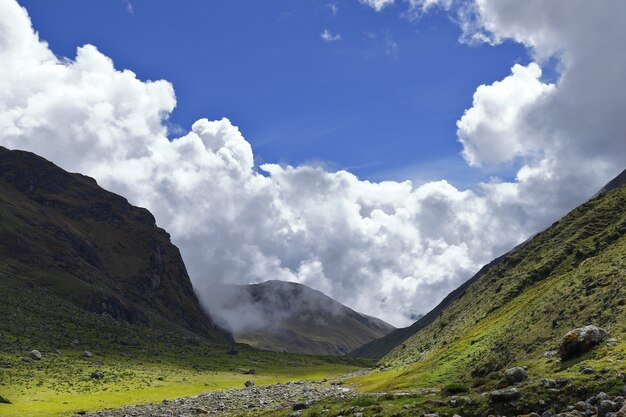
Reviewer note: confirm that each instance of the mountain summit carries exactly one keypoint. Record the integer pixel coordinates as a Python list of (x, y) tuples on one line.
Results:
[(291, 317), (63, 235)]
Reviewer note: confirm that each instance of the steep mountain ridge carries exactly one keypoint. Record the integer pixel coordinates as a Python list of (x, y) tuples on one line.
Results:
[(63, 234), (378, 348), (519, 306), (291, 317)]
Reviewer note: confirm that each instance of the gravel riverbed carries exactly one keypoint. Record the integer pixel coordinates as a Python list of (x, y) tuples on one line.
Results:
[(298, 394)]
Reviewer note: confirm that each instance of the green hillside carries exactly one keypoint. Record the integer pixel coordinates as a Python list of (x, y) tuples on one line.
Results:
[(139, 364), (519, 308)]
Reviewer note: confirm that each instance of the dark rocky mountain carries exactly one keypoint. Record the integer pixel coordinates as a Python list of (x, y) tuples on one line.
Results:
[(64, 236), (290, 317)]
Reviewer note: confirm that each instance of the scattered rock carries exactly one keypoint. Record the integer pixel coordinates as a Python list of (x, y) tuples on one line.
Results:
[(548, 383), (87, 354), (587, 370), (605, 407), (562, 382), (581, 340), (300, 406), (249, 383), (504, 395), (97, 375), (4, 400), (249, 400), (35, 355), (232, 352), (515, 375), (551, 354), (250, 371)]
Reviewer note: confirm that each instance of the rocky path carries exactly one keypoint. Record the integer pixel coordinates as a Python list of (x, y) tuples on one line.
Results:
[(293, 394)]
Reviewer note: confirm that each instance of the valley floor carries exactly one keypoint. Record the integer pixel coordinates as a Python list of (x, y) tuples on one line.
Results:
[(67, 384)]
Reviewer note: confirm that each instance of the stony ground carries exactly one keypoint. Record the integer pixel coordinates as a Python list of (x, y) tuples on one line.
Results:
[(292, 395)]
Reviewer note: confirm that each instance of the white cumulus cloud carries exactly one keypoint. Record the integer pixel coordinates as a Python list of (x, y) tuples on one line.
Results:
[(492, 130), (391, 249)]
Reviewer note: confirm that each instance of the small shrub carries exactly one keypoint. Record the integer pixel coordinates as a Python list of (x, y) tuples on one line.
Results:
[(453, 389)]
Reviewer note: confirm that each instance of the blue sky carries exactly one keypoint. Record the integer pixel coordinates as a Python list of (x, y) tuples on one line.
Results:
[(382, 101)]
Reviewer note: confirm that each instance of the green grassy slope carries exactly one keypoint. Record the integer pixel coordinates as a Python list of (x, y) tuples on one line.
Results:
[(139, 364), (570, 275), (378, 348)]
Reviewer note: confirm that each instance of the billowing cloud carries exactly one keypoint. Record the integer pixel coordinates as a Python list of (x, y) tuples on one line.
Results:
[(390, 249), (493, 129), (568, 135)]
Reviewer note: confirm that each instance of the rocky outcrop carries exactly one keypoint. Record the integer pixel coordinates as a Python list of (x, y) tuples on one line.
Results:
[(581, 340)]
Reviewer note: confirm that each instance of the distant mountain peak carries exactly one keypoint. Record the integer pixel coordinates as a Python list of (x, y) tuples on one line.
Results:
[(288, 316)]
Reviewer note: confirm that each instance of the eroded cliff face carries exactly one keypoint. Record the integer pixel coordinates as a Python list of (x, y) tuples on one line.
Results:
[(62, 232)]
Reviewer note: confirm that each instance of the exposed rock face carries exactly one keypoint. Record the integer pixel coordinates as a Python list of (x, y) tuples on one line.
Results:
[(62, 232), (581, 340)]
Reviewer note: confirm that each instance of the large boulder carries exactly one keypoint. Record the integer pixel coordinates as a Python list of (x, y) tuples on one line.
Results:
[(35, 355), (515, 375), (504, 395), (581, 340)]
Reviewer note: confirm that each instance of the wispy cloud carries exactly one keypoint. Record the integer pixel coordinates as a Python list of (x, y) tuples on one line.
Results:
[(129, 7), (377, 5), (328, 36), (384, 39), (333, 8), (391, 46)]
